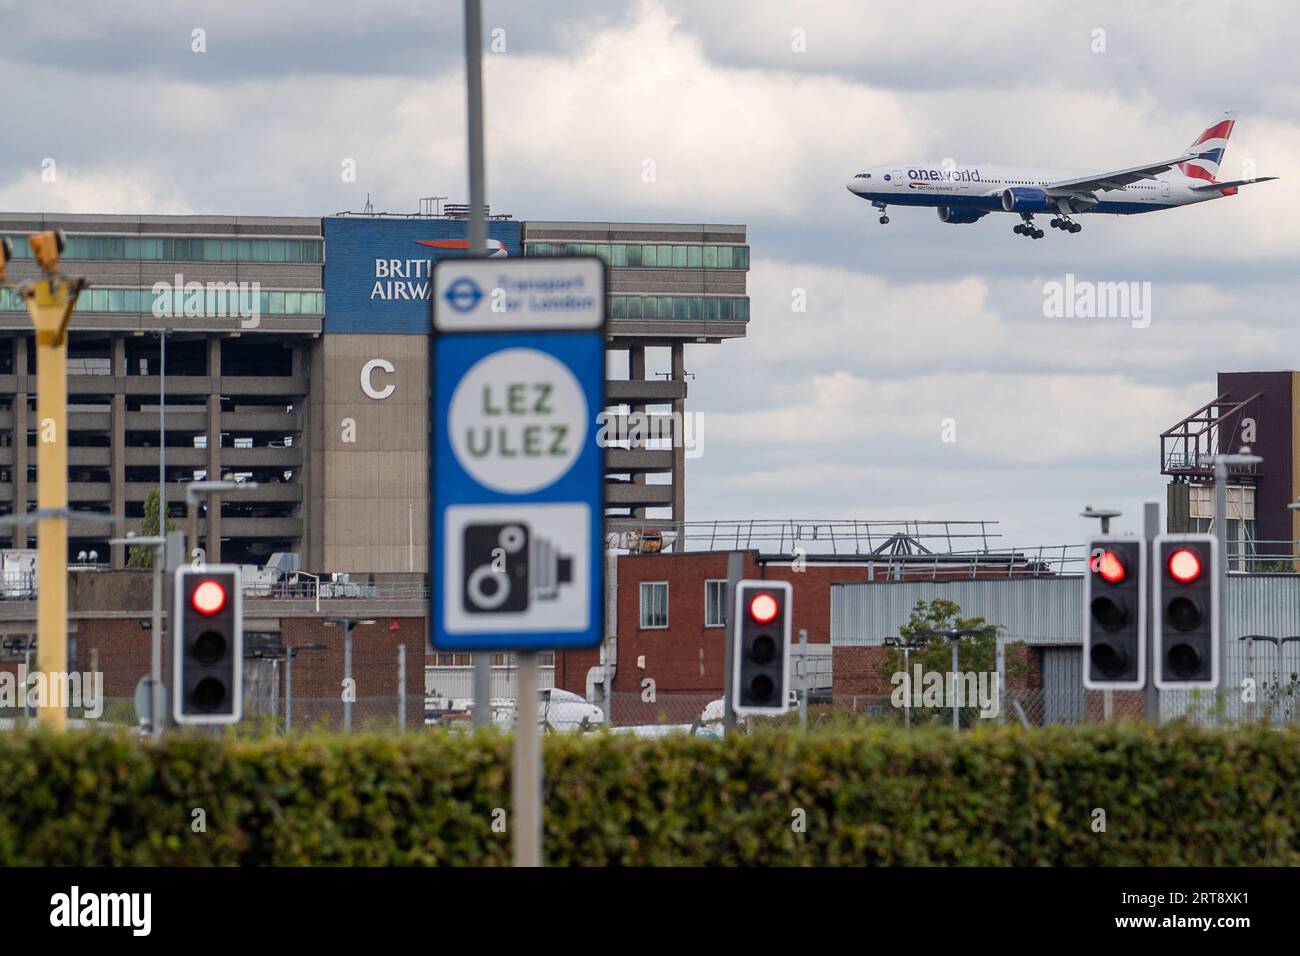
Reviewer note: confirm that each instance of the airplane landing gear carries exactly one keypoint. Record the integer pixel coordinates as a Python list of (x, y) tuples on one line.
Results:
[(884, 216), (1027, 228), (1066, 224)]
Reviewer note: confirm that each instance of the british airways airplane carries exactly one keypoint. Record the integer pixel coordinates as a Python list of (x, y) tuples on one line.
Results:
[(966, 193)]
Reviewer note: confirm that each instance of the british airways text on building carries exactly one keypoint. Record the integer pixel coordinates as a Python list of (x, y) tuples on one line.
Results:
[(378, 271)]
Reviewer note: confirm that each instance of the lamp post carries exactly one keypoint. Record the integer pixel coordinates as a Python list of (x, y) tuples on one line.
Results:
[(289, 654), (347, 623), (915, 644), (954, 636), (1221, 463), (192, 492), (159, 543)]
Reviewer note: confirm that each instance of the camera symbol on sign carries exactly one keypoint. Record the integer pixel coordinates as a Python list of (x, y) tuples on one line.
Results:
[(507, 568)]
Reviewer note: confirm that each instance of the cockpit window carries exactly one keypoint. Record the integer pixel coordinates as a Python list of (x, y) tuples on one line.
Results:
[(862, 176)]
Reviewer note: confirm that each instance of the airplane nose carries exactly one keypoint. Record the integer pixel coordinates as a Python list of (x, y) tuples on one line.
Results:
[(850, 184)]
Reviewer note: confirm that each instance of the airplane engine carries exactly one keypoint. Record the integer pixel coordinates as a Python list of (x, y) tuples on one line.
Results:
[(1025, 199), (959, 216)]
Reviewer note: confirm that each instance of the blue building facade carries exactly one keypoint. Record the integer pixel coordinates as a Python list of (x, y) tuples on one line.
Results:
[(378, 270)]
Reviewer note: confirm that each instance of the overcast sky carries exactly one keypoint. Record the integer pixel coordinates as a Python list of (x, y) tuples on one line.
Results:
[(757, 112)]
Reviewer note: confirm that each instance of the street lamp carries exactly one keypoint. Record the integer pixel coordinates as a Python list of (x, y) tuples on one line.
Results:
[(915, 644), (347, 623), (192, 492), (1105, 514), (289, 654), (954, 636), (159, 544)]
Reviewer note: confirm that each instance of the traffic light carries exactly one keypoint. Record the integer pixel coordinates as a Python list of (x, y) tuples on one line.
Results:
[(760, 631), (208, 645), (6, 253), (1115, 600), (1187, 611), (47, 247)]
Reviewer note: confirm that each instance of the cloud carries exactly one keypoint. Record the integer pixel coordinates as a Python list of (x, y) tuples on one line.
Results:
[(836, 410)]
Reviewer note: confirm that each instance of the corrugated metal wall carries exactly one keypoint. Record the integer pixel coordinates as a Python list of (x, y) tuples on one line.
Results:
[(1049, 611), (1034, 610), (1063, 693)]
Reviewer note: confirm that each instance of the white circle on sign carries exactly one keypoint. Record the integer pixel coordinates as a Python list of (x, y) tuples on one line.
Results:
[(518, 420)]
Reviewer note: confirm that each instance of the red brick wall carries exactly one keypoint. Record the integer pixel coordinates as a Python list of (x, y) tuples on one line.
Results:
[(122, 650), (318, 674), (687, 657)]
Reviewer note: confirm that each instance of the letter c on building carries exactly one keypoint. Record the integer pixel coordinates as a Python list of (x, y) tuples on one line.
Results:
[(367, 376)]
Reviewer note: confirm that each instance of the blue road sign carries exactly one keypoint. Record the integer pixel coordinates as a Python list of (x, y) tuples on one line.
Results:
[(516, 474)]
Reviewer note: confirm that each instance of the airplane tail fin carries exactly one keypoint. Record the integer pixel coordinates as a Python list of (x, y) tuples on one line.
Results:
[(1208, 150)]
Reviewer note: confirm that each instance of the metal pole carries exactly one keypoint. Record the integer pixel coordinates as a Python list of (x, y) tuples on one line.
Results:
[(191, 527), (482, 690), (162, 435), (526, 782), (477, 247), (155, 663), (1276, 703), (27, 674), (401, 686), (735, 569), (907, 701), (347, 675), (288, 690), (803, 678), (1001, 658), (1254, 684), (474, 110), (1150, 528), (1221, 543), (956, 722)]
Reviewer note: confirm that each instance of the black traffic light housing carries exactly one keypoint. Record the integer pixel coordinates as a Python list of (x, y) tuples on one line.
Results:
[(1115, 614), (1186, 599), (6, 253), (208, 645), (760, 632)]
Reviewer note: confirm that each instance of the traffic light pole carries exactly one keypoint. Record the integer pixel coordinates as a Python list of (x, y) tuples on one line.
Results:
[(50, 302), (1221, 463), (735, 570), (1151, 528)]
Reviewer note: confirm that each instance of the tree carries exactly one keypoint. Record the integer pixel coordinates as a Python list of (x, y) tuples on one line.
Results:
[(142, 557), (977, 653)]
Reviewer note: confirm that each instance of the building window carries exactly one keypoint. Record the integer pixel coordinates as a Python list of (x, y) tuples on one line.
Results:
[(715, 603), (654, 605)]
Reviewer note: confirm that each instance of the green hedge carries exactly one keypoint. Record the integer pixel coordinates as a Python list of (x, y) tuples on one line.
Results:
[(1175, 795)]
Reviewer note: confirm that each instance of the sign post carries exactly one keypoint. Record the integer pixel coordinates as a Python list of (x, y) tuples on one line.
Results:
[(517, 477)]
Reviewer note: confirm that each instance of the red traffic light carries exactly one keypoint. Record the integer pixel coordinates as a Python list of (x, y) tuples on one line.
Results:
[(209, 597), (1184, 566), (1110, 567), (763, 608)]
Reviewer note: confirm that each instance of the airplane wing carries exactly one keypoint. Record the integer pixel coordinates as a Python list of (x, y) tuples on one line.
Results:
[(1117, 179)]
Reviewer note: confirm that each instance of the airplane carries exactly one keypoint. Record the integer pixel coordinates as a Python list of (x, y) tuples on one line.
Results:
[(965, 193)]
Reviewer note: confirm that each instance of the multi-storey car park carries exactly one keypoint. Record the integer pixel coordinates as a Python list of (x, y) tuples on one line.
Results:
[(293, 352)]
